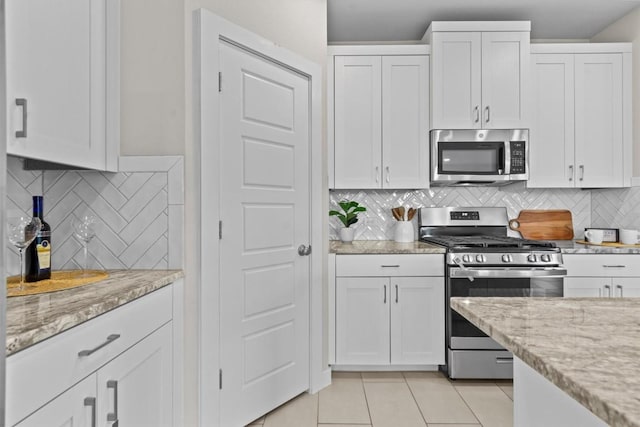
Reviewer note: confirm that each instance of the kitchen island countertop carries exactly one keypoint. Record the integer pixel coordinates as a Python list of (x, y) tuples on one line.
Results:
[(383, 247), (587, 347), (33, 318)]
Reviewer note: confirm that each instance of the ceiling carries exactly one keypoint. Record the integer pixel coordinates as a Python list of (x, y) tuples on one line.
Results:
[(401, 20)]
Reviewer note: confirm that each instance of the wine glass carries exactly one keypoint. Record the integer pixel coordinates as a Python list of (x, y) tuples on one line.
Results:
[(84, 228), (22, 230)]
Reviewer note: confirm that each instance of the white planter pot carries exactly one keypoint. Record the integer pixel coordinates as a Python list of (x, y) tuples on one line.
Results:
[(346, 235)]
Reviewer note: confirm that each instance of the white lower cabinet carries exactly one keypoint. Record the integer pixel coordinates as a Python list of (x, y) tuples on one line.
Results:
[(115, 369), (391, 320), (602, 275), (74, 407), (134, 389)]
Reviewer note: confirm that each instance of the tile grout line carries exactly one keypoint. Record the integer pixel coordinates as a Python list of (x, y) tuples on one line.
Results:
[(465, 402), (364, 391), (415, 400)]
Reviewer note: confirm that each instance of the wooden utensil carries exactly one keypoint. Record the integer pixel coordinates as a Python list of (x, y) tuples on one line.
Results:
[(411, 213), (396, 214), (534, 224), (401, 212)]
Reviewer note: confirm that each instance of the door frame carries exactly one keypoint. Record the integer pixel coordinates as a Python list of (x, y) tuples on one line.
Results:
[(206, 27)]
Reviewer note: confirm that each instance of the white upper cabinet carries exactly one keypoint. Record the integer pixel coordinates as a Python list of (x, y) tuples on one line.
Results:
[(62, 81), (480, 78), (358, 121), (581, 122), (379, 117)]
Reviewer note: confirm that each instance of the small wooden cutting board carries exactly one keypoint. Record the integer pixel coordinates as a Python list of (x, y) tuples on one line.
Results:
[(554, 224)]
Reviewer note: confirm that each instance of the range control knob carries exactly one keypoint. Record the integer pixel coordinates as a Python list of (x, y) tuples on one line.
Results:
[(532, 258), (507, 258), (481, 258), (466, 258), (545, 258)]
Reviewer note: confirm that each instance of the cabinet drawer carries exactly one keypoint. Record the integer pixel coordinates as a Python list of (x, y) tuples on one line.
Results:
[(390, 265), (605, 265), (43, 371)]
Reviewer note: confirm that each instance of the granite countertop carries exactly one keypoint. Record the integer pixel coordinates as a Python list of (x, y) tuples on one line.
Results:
[(33, 318), (383, 247), (588, 347), (572, 247)]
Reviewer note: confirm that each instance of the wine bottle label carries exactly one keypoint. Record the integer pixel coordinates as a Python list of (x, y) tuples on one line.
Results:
[(44, 251)]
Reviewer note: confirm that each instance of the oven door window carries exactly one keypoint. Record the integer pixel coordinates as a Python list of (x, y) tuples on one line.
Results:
[(461, 327), (471, 158)]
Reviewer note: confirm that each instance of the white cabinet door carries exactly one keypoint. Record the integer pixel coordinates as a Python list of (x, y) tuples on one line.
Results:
[(358, 121), (505, 80), (587, 287), (405, 121), (598, 110), (74, 407), (417, 320), (136, 388), (551, 150), (362, 320), (56, 63), (456, 80), (626, 287)]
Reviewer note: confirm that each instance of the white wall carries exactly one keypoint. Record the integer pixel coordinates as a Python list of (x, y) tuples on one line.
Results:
[(627, 29), (152, 77)]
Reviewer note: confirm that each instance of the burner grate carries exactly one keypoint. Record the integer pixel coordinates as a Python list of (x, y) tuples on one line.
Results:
[(494, 242)]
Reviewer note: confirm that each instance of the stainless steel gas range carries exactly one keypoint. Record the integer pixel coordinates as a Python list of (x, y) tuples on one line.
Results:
[(482, 261)]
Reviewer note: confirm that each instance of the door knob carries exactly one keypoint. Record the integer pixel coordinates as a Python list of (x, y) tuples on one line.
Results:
[(304, 250)]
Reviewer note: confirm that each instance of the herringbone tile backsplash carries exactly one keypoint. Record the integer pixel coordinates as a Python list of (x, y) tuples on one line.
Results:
[(378, 223), (618, 208), (139, 212)]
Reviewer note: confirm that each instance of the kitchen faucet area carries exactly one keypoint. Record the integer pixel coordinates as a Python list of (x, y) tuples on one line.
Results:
[(316, 213)]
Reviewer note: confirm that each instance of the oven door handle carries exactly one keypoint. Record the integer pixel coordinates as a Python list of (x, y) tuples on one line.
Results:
[(510, 272)]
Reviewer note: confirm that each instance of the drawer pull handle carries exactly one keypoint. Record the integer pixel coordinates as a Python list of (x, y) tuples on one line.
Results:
[(391, 266), (614, 266), (504, 360), (91, 401), (113, 416), (111, 338)]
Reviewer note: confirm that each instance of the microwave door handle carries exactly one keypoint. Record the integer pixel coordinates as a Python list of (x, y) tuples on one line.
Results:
[(506, 160)]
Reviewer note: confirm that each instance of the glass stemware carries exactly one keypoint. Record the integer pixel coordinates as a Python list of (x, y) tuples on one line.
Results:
[(84, 228), (21, 231)]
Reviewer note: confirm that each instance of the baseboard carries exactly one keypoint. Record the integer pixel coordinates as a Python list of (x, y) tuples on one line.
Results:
[(323, 381), (384, 368)]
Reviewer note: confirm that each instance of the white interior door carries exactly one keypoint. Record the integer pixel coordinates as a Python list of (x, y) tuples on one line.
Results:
[(264, 209)]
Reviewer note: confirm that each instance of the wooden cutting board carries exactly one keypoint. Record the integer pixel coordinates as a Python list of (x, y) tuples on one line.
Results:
[(543, 224)]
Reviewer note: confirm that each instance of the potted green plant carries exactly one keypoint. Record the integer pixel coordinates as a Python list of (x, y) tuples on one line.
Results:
[(348, 216)]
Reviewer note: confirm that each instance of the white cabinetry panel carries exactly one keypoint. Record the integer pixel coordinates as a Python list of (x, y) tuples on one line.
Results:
[(416, 320), (362, 320), (581, 128), (358, 121), (379, 118), (57, 60), (480, 80)]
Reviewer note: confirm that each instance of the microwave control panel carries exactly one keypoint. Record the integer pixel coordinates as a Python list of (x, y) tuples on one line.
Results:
[(518, 154)]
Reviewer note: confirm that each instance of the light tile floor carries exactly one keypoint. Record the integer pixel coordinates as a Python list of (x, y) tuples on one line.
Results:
[(398, 399)]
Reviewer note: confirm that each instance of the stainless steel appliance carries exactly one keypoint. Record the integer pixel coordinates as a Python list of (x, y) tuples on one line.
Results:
[(482, 261), (479, 157)]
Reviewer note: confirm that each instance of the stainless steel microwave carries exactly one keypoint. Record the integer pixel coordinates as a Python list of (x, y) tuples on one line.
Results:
[(479, 157)]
